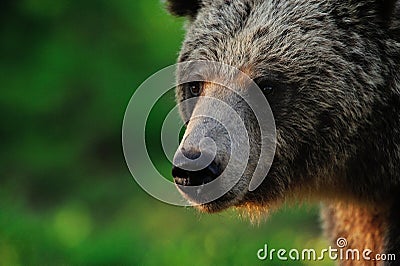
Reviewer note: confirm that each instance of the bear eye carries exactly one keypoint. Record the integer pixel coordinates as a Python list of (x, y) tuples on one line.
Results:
[(266, 86), (195, 88), (267, 90)]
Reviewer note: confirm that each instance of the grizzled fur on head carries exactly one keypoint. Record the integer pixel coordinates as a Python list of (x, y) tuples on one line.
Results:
[(334, 66)]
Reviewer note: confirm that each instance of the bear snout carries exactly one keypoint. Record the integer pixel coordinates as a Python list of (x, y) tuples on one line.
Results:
[(194, 168)]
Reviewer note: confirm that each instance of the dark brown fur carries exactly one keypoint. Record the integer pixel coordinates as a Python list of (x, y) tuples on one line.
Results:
[(335, 68)]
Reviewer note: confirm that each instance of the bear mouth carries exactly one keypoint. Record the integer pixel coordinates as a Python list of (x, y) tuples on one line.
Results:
[(204, 187), (210, 189), (207, 197)]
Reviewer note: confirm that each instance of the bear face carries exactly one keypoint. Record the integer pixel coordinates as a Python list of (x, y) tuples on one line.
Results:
[(330, 67)]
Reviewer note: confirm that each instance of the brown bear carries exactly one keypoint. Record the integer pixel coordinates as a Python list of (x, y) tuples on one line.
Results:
[(330, 71)]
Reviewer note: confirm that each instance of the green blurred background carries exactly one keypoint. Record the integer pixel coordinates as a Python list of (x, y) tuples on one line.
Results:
[(68, 70)]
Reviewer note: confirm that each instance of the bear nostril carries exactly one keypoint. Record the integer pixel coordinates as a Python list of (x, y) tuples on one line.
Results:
[(196, 178), (191, 154)]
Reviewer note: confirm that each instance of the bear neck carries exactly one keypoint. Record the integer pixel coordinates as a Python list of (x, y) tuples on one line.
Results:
[(373, 226)]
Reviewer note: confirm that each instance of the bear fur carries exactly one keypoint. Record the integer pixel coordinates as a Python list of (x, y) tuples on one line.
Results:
[(335, 69)]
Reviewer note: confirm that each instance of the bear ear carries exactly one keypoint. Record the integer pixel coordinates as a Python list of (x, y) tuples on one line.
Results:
[(183, 8)]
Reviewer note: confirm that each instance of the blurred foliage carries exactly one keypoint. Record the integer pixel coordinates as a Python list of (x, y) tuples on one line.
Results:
[(68, 70)]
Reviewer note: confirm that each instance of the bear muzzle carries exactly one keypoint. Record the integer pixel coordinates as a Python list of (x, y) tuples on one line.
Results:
[(193, 168)]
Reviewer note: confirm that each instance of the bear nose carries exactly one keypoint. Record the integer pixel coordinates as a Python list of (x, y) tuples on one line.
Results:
[(184, 176)]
